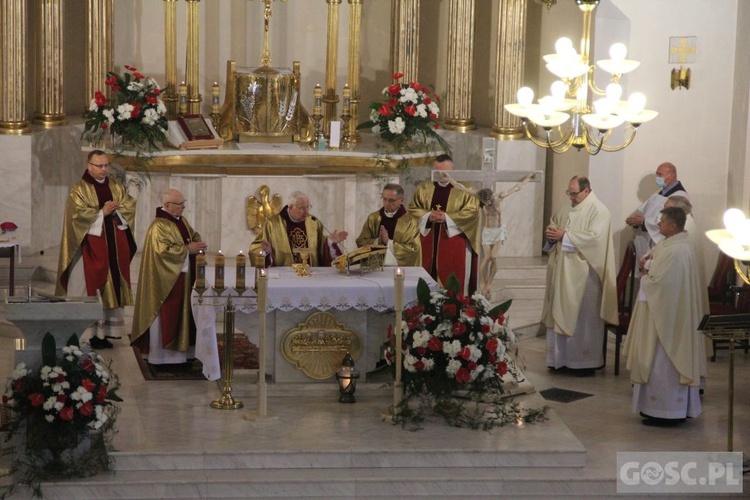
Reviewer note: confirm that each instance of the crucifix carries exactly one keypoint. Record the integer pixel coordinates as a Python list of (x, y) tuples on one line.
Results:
[(491, 228)]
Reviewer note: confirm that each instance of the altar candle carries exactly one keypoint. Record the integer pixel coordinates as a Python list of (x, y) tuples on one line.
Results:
[(398, 289), (219, 271), (347, 95), (182, 98), (200, 270), (398, 305), (240, 280), (215, 94), (318, 98)]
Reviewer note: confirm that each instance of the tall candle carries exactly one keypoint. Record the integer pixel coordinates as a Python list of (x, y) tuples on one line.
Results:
[(200, 270), (347, 96), (215, 94), (219, 271), (398, 289), (182, 95), (240, 280), (398, 305), (318, 100)]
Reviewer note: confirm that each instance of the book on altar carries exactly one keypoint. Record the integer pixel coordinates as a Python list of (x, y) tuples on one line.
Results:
[(361, 255), (193, 132)]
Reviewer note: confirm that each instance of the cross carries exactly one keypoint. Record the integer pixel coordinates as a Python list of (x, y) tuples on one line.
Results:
[(682, 51), (438, 207)]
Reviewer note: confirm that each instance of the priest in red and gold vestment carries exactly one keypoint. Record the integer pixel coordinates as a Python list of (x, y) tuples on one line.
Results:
[(448, 222), (163, 325), (97, 246), (294, 230)]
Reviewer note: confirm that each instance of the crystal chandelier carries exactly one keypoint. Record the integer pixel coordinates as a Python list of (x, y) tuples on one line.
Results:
[(569, 102)]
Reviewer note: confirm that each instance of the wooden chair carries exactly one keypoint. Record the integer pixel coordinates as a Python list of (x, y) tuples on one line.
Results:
[(625, 292), (741, 305), (721, 299)]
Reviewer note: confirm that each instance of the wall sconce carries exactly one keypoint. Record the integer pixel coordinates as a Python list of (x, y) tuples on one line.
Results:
[(347, 377), (680, 78)]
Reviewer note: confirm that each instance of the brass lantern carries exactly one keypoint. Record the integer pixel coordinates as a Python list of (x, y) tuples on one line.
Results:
[(347, 377)]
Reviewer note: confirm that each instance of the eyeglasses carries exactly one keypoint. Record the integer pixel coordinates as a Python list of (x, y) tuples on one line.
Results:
[(103, 165), (181, 204), (572, 194)]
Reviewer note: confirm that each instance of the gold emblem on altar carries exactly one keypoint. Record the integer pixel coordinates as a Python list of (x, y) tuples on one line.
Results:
[(260, 208), (317, 346)]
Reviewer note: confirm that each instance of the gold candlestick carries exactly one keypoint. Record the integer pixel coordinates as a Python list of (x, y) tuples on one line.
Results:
[(200, 272), (240, 279), (219, 273)]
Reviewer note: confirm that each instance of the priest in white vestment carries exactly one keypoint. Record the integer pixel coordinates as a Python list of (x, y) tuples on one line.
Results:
[(581, 291), (645, 219), (665, 350)]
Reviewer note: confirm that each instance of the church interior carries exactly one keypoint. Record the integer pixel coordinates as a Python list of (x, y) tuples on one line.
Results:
[(475, 54)]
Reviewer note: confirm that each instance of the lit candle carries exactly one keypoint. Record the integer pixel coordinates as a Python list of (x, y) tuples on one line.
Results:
[(182, 95), (219, 271), (240, 280), (347, 95), (398, 306), (215, 94), (398, 289), (200, 270), (318, 98)]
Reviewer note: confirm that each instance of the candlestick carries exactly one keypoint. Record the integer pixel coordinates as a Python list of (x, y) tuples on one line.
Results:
[(200, 270), (318, 100), (347, 96), (398, 306), (215, 94), (182, 98), (240, 279), (219, 271)]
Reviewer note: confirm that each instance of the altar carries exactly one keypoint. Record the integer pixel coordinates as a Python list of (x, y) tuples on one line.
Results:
[(360, 303)]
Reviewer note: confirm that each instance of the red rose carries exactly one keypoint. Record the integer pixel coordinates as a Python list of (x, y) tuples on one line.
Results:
[(151, 99), (463, 375), (60, 378), (62, 398), (458, 329), (67, 413), (18, 386), (86, 409), (88, 365), (392, 102), (501, 318), (36, 399), (435, 344), (136, 110), (115, 88), (427, 100), (384, 110), (388, 358), (450, 310), (416, 86), (88, 385), (464, 299), (472, 366), (502, 368), (138, 76), (427, 320), (101, 396), (111, 80), (492, 345), (410, 110), (157, 91), (421, 351), (419, 365), (464, 353), (104, 126), (100, 98), (412, 311), (470, 312), (485, 328), (396, 76), (412, 323), (394, 89)]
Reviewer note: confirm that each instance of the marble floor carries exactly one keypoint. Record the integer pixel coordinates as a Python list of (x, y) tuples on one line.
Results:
[(172, 420)]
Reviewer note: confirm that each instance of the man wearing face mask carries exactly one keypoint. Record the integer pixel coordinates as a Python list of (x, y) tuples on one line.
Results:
[(646, 219)]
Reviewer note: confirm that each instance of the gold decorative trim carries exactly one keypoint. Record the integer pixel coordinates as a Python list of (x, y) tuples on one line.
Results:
[(405, 38), (509, 66), (507, 133), (317, 346), (460, 65)]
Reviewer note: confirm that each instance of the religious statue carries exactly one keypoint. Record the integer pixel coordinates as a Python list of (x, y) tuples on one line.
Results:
[(261, 208)]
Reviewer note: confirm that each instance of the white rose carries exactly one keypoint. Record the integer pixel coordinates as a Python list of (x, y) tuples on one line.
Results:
[(396, 126)]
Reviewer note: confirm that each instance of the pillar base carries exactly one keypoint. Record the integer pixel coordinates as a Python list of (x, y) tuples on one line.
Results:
[(459, 125), (50, 120), (507, 133), (15, 128)]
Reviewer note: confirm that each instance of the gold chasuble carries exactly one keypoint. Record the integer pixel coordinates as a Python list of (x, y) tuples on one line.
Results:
[(107, 257), (588, 226), (676, 300), (163, 287), (402, 231), (448, 249), (284, 235)]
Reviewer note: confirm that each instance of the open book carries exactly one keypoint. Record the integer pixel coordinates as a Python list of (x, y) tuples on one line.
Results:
[(177, 137)]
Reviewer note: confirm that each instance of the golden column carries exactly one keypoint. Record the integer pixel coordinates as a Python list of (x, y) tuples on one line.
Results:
[(13, 119), (191, 77), (170, 58), (332, 48), (509, 66), (405, 38), (460, 65), (355, 44), (49, 93), (100, 41)]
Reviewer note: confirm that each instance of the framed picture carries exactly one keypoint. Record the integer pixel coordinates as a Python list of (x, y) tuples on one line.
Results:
[(195, 127)]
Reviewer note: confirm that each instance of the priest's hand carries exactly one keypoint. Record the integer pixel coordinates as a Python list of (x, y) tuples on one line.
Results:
[(383, 240), (196, 246), (338, 236), (109, 207), (437, 216), (265, 247), (635, 220), (554, 233)]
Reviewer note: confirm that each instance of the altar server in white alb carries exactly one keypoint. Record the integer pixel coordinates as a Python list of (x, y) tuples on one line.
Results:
[(665, 350), (581, 281)]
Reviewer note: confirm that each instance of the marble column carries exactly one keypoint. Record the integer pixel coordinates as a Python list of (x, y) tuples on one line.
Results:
[(355, 45), (330, 98), (49, 64), (170, 58), (509, 66), (13, 33), (100, 41), (405, 38), (460, 66), (191, 71)]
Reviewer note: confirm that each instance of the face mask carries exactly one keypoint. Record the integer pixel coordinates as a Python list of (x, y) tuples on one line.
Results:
[(661, 182)]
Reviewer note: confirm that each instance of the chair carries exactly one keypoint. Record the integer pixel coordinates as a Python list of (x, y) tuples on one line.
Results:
[(625, 291), (720, 296), (742, 305)]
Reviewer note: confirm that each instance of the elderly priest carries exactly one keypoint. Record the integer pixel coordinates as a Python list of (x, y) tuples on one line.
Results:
[(292, 232), (581, 281)]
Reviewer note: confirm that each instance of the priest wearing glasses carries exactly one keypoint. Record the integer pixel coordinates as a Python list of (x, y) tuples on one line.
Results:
[(293, 231)]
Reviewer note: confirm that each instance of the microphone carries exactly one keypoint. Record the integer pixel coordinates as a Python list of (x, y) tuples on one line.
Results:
[(328, 232)]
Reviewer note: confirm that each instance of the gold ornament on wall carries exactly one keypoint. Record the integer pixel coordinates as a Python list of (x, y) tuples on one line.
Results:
[(260, 208)]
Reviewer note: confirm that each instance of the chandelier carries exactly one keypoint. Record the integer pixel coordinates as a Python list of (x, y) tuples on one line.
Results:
[(735, 240), (587, 127)]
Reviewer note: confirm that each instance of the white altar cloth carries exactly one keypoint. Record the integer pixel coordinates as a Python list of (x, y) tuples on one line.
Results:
[(326, 289)]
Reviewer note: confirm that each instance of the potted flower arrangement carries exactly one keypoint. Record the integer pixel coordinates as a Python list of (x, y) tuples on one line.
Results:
[(62, 415), (408, 112), (134, 115), (457, 350)]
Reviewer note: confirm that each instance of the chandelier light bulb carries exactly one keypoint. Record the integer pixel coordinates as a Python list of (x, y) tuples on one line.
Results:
[(618, 51), (734, 221), (563, 46), (603, 108), (558, 90), (525, 96), (614, 92), (547, 104), (636, 102)]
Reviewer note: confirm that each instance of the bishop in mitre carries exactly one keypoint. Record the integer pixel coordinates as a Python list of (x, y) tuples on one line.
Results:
[(581, 281), (292, 234)]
